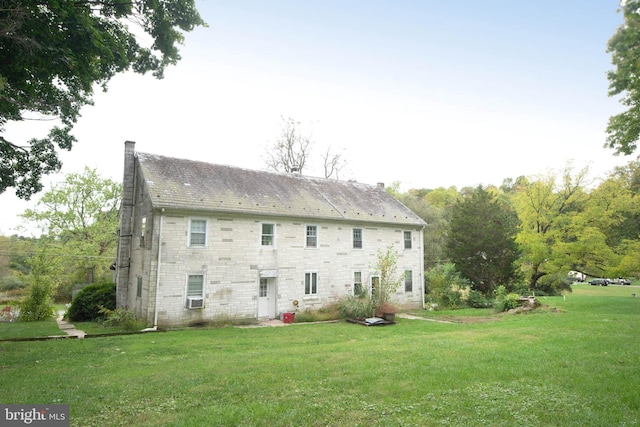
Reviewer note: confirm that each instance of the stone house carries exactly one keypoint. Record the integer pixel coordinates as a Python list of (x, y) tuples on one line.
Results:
[(202, 242)]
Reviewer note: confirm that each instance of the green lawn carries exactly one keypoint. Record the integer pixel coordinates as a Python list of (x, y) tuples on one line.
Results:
[(574, 365), (42, 328)]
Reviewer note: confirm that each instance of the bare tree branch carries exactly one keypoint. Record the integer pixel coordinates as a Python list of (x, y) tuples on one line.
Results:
[(291, 151)]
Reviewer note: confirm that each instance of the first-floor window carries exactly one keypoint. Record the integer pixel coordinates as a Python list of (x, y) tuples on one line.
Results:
[(195, 285), (357, 283), (310, 283), (408, 281), (139, 287), (375, 286)]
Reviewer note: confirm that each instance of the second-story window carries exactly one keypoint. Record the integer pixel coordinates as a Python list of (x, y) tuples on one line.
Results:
[(198, 232), (143, 230), (357, 238), (267, 234), (312, 236), (407, 240)]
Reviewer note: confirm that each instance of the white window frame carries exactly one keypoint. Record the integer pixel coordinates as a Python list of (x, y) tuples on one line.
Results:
[(272, 235), (201, 293), (263, 289), (310, 274), (357, 282), (404, 239), (306, 236), (410, 282), (353, 238), (191, 233), (375, 275)]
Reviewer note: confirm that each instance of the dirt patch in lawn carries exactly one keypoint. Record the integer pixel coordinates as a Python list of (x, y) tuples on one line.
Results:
[(471, 319)]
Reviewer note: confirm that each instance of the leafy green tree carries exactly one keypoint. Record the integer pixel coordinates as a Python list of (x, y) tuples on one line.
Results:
[(55, 52), (624, 129), (79, 216), (15, 252), (436, 217), (547, 211), (445, 284), (386, 267), (612, 216), (481, 240), (43, 281)]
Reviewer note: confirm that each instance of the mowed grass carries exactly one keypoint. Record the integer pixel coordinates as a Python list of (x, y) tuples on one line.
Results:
[(575, 365), (43, 328)]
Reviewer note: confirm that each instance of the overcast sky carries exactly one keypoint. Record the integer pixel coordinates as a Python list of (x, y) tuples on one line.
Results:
[(428, 93)]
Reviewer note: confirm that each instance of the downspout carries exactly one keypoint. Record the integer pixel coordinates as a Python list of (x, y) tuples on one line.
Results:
[(155, 307), (422, 267)]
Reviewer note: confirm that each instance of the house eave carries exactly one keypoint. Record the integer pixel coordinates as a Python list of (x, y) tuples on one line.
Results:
[(195, 210)]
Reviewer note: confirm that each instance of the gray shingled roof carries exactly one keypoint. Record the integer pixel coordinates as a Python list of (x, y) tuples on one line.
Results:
[(191, 185)]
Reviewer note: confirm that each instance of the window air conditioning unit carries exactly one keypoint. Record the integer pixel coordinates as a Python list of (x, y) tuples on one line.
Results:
[(195, 302)]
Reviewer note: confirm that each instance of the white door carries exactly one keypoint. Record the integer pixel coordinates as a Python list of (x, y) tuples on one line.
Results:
[(267, 298)]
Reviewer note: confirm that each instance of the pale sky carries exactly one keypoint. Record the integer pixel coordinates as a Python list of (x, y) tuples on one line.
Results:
[(428, 93)]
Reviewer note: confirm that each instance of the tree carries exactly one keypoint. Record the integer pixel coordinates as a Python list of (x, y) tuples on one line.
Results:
[(15, 252), (43, 279), (445, 284), (547, 211), (79, 217), (386, 267), (55, 52), (333, 164), (436, 216), (482, 240), (291, 150), (624, 129), (612, 216)]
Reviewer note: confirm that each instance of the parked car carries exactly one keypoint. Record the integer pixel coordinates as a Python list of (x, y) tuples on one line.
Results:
[(599, 282), (624, 281)]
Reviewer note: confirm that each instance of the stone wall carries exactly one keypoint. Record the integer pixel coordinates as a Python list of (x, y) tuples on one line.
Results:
[(234, 257)]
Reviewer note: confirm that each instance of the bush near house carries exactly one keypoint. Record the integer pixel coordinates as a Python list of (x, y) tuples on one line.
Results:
[(477, 299), (88, 303), (356, 307)]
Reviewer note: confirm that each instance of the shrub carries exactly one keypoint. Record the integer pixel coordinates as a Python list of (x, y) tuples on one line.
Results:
[(444, 285), (38, 304), (509, 302), (86, 305), (356, 308), (477, 299), (451, 299), (323, 314), (120, 318)]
